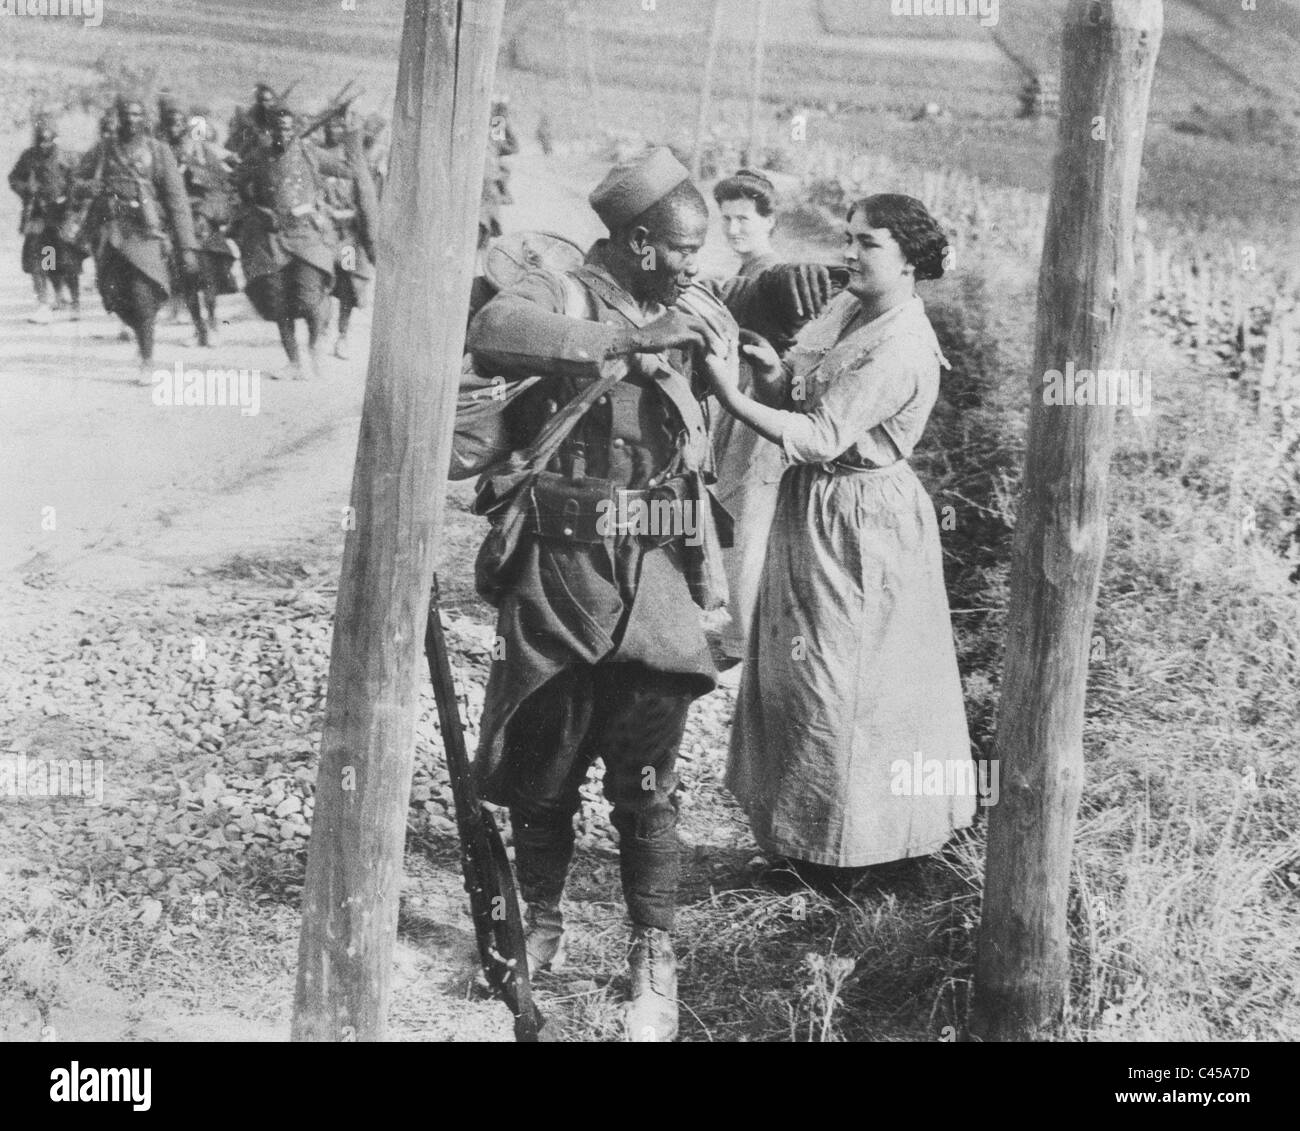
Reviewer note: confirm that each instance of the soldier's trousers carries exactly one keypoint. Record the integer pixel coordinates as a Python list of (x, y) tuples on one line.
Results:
[(630, 717), (297, 290)]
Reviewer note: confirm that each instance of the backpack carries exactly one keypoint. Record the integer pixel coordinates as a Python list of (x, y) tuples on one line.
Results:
[(481, 439)]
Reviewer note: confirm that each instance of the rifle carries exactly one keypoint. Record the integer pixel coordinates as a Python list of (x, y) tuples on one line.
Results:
[(489, 879), (339, 104), (283, 99)]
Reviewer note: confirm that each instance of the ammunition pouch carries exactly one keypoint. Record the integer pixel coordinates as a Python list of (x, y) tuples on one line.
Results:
[(571, 510)]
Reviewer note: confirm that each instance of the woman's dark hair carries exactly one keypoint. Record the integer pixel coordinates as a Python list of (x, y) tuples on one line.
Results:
[(745, 184), (918, 234)]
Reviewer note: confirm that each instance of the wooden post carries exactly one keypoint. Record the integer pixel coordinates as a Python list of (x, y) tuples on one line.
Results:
[(1084, 301), (754, 154), (706, 87), (425, 261)]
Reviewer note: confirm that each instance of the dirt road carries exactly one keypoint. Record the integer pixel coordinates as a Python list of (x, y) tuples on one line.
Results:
[(138, 490)]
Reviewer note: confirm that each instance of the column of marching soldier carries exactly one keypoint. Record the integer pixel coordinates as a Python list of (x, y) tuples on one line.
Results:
[(161, 208)]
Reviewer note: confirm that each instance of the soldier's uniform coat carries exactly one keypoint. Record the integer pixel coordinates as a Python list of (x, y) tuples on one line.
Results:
[(140, 207), (582, 603), (346, 207), (46, 179), (292, 184), (205, 169)]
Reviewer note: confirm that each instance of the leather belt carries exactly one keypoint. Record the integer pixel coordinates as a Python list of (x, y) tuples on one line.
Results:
[(591, 510)]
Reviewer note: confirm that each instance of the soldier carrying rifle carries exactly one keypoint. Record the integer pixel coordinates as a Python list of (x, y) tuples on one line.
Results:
[(43, 180), (206, 169), (287, 242), (139, 219)]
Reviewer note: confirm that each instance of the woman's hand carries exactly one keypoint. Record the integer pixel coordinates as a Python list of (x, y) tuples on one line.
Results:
[(769, 375), (724, 375), (724, 378)]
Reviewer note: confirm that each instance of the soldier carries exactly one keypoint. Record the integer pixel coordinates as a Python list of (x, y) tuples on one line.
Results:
[(604, 650), (251, 128), (206, 170), (43, 179), (502, 143), (376, 140), (286, 242), (139, 216), (346, 204)]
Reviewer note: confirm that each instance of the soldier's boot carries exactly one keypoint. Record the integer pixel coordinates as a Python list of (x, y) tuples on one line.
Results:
[(311, 365), (543, 852), (341, 350), (42, 315), (652, 968), (544, 938)]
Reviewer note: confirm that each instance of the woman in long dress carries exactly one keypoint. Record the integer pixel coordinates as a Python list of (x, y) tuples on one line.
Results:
[(850, 745)]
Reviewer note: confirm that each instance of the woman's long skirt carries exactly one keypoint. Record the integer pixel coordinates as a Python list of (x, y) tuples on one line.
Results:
[(850, 745)]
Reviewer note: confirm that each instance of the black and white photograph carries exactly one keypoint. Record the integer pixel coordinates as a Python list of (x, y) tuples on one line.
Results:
[(650, 521)]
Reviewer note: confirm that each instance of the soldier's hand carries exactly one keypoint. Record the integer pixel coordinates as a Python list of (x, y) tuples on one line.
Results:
[(672, 330), (190, 263), (799, 290)]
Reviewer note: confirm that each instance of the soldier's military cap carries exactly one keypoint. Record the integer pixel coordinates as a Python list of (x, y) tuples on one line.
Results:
[(628, 190)]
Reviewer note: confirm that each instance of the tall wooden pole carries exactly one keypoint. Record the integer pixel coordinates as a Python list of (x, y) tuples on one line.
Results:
[(1084, 301), (753, 154), (706, 87), (425, 262)]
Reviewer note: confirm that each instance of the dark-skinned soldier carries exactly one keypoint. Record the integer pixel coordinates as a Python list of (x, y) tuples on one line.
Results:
[(206, 170), (603, 646), (43, 179), (502, 143), (139, 218), (286, 240), (351, 212), (604, 649), (250, 128)]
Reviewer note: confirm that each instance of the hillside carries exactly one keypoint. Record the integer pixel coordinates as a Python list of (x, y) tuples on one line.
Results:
[(1222, 142)]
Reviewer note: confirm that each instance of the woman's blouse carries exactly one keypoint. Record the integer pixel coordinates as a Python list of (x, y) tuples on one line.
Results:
[(861, 391)]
